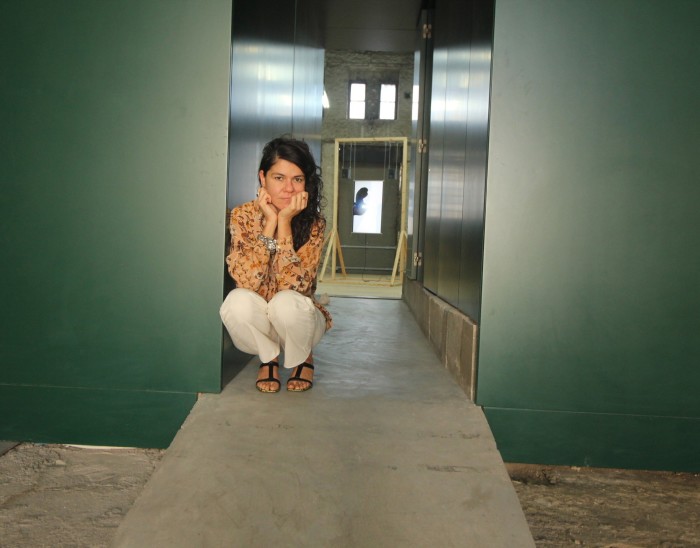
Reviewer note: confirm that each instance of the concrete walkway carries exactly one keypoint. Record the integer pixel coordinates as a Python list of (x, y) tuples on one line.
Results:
[(384, 451)]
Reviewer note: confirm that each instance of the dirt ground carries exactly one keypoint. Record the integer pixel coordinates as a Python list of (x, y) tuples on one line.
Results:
[(571, 506), (58, 496)]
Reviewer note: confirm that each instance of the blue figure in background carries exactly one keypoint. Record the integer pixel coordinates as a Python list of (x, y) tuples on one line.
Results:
[(359, 207)]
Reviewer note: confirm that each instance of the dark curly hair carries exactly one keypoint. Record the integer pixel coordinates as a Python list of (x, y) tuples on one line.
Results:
[(298, 152)]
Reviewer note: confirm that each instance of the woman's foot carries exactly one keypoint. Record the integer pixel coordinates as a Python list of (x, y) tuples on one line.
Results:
[(268, 377), (302, 378)]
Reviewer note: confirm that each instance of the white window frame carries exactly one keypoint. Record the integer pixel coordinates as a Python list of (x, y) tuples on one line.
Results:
[(387, 101), (357, 100)]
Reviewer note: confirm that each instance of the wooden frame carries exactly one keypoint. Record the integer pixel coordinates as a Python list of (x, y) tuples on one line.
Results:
[(334, 248)]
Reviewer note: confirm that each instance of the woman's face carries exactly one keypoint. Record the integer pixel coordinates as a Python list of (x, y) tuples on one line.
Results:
[(282, 181)]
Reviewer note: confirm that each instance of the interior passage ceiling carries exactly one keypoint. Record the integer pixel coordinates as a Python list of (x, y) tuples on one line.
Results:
[(372, 25)]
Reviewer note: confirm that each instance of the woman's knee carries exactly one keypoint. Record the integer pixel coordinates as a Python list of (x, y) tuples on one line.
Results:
[(290, 306), (241, 306)]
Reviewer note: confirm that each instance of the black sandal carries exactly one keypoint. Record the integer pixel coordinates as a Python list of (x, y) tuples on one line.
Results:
[(270, 378), (297, 377)]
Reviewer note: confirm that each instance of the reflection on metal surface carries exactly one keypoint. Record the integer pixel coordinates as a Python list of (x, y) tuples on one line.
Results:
[(457, 179), (276, 85), (420, 133)]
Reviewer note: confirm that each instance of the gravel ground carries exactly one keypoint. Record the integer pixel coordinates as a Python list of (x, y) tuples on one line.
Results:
[(570, 506), (58, 496), (61, 496)]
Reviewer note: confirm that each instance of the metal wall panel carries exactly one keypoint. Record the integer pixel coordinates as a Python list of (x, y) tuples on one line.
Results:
[(457, 44), (276, 88), (307, 112), (276, 84), (420, 131), (479, 88), (433, 209), (262, 71), (457, 152)]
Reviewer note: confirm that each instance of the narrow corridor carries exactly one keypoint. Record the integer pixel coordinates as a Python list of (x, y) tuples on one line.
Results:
[(386, 450)]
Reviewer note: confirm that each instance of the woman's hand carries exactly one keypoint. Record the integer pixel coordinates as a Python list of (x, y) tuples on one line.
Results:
[(296, 205), (264, 202)]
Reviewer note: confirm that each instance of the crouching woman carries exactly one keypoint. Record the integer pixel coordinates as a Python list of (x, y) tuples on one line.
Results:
[(276, 243)]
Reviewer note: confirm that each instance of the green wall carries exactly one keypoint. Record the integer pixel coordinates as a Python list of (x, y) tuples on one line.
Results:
[(112, 211), (590, 332)]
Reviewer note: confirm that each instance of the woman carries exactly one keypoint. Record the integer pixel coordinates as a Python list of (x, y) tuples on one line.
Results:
[(360, 207), (276, 243)]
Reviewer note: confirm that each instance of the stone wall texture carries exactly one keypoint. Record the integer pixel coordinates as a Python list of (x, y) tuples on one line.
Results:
[(452, 334)]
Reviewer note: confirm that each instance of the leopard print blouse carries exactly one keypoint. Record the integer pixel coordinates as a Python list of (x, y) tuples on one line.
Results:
[(253, 267)]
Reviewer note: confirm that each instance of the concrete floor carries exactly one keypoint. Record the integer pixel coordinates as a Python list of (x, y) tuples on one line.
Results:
[(384, 451)]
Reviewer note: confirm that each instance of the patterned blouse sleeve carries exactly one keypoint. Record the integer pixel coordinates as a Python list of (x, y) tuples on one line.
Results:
[(296, 270), (248, 259)]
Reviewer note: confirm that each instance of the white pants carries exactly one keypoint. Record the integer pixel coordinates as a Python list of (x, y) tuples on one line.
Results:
[(257, 327)]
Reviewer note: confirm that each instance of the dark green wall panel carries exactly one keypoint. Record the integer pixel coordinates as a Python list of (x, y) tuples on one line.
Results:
[(592, 242), (115, 121), (128, 418), (596, 439)]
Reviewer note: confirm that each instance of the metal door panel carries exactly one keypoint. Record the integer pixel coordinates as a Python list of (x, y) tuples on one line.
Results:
[(473, 205)]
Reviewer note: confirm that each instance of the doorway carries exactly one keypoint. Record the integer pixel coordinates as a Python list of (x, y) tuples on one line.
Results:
[(367, 242), (279, 74)]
